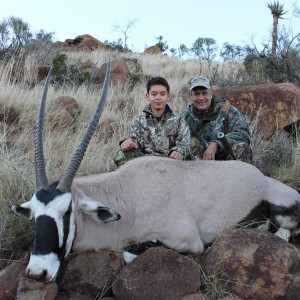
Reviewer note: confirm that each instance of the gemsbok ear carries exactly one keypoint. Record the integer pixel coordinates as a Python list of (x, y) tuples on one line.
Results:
[(23, 210), (99, 213)]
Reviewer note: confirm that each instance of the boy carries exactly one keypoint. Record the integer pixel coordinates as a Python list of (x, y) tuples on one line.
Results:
[(158, 130)]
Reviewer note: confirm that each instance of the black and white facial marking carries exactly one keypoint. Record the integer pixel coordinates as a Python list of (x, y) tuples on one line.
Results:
[(54, 231)]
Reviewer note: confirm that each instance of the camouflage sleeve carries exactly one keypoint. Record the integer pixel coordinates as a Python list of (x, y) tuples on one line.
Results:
[(237, 127), (183, 139), (136, 131)]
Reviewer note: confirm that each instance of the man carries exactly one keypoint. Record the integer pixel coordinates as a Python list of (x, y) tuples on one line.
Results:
[(158, 131), (210, 115)]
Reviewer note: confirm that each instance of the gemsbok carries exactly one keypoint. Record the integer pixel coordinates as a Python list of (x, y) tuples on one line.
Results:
[(183, 204)]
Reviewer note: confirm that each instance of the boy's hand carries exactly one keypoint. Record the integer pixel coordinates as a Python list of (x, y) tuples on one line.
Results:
[(128, 145), (176, 155)]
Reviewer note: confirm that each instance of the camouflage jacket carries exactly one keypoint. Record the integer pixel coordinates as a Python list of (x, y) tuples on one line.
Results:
[(220, 117), (161, 136)]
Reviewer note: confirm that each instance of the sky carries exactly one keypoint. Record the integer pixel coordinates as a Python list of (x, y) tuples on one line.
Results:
[(177, 21)]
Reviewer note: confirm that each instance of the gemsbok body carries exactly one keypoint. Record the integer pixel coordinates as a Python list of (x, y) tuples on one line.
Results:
[(183, 204)]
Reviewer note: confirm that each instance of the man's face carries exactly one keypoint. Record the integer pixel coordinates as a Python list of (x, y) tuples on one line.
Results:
[(158, 97), (201, 97)]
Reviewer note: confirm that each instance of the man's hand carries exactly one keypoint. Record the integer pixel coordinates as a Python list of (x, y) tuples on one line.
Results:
[(176, 155), (210, 152), (128, 145)]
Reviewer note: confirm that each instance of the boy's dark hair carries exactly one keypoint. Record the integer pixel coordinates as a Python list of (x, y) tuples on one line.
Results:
[(158, 81)]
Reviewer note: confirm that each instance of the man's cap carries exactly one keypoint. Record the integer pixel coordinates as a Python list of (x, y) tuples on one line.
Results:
[(199, 81)]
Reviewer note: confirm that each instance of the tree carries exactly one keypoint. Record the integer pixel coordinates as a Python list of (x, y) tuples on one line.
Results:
[(205, 48), (116, 45), (16, 34), (125, 30), (20, 32), (42, 36), (296, 11), (183, 50), (173, 51), (162, 44), (4, 35), (277, 12), (231, 52)]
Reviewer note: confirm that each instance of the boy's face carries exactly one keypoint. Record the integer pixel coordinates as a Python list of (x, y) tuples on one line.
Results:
[(158, 97)]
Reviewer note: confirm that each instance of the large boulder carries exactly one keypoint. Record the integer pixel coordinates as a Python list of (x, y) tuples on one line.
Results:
[(158, 273), (254, 265), (92, 273), (119, 72), (83, 42), (153, 50), (271, 106)]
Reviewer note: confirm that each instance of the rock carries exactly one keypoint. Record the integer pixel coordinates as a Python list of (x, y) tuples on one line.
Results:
[(254, 265), (91, 274), (197, 296), (118, 73), (83, 42), (29, 289), (9, 115), (42, 72), (72, 295), (272, 105), (153, 50), (158, 273), (63, 112), (9, 280)]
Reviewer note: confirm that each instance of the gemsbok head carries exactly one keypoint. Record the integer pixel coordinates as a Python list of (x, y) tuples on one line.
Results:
[(51, 205)]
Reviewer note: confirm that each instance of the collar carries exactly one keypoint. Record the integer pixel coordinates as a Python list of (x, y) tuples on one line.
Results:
[(148, 111)]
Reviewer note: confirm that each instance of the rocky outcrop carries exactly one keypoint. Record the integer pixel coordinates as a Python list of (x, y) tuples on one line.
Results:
[(83, 42), (272, 106), (153, 50)]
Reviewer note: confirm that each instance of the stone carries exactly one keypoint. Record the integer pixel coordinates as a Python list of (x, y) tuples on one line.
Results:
[(9, 280), (91, 273), (270, 106), (254, 264), (158, 273)]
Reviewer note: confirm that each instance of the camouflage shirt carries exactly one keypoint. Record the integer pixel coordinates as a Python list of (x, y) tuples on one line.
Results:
[(220, 117), (161, 136)]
